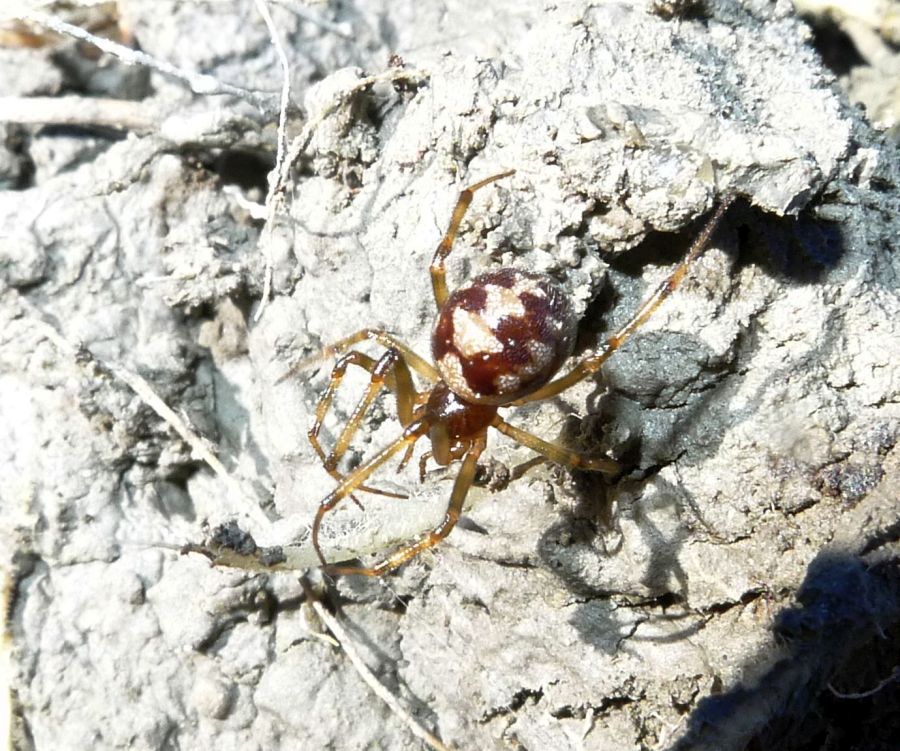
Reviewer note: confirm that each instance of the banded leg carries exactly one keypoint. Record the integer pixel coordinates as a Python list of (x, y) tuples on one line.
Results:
[(558, 454), (460, 489), (423, 462), (389, 370), (438, 272), (382, 337), (357, 477), (592, 363)]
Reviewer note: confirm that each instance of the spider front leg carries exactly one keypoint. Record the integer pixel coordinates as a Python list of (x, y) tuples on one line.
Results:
[(592, 363), (382, 337), (460, 489), (438, 272), (389, 370)]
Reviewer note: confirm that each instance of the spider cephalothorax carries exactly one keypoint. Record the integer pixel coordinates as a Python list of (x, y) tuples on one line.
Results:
[(499, 340)]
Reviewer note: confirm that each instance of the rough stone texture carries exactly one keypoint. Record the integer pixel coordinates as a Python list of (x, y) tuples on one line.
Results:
[(756, 413)]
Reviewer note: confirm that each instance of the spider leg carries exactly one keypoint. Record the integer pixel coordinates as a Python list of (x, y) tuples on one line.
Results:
[(454, 509), (389, 370), (592, 363), (423, 461), (555, 453), (406, 457), (438, 272), (357, 477), (384, 338)]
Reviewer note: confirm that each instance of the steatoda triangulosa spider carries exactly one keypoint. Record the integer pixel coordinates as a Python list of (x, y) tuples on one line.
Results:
[(498, 341)]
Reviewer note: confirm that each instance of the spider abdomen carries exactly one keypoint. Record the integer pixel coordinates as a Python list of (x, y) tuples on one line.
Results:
[(503, 335)]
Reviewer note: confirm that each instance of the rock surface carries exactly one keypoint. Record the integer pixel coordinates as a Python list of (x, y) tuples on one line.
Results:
[(756, 413)]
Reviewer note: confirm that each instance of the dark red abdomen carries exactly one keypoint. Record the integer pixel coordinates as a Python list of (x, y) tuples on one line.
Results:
[(502, 336)]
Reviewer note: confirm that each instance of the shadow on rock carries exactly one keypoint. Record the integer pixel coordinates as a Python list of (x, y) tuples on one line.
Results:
[(834, 687)]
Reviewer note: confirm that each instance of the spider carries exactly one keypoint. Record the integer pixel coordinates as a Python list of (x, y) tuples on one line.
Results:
[(498, 341)]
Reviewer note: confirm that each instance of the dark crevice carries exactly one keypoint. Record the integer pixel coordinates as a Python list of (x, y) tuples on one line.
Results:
[(519, 699), (248, 169), (524, 563), (717, 608), (579, 712)]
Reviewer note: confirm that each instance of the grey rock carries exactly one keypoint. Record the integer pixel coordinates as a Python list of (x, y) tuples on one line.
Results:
[(756, 413)]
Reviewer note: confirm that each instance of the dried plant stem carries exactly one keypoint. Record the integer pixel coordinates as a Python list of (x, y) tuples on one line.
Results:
[(77, 110), (894, 676), (279, 175), (378, 688), (200, 83)]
